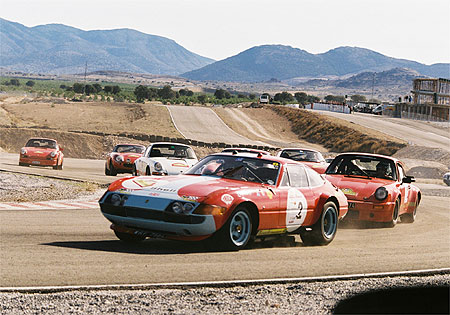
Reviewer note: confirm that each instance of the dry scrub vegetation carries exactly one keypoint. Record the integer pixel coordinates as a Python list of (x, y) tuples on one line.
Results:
[(336, 137)]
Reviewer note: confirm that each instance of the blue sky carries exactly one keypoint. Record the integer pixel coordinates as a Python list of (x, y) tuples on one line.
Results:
[(409, 29)]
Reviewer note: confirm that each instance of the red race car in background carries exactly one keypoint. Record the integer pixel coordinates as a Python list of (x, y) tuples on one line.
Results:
[(376, 187), (42, 152), (122, 158), (231, 198), (312, 158)]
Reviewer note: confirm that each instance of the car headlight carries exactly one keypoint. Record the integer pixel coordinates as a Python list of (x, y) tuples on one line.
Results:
[(23, 151), (118, 158), (53, 154), (116, 199), (182, 208), (381, 193), (158, 167)]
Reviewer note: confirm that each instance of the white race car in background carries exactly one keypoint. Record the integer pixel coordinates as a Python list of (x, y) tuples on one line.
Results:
[(165, 158)]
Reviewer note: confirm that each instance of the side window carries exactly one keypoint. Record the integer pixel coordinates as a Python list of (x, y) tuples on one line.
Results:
[(314, 178), (297, 175), (401, 172), (147, 151), (285, 179)]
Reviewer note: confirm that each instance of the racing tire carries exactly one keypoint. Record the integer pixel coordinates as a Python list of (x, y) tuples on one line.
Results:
[(55, 167), (236, 232), (106, 170), (60, 167), (134, 171), (129, 238), (23, 164), (410, 217), (147, 171), (324, 230), (112, 170), (395, 216)]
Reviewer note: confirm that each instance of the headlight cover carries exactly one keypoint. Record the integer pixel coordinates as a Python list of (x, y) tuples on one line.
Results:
[(381, 193), (158, 167), (179, 207), (53, 154), (23, 151), (118, 158)]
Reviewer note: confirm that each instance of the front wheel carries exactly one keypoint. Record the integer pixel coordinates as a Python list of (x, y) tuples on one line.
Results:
[(134, 171), (129, 238), (236, 232), (324, 230), (395, 216), (112, 170)]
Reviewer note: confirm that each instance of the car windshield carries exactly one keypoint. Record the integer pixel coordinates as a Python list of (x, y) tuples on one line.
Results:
[(172, 151), (367, 166), (41, 143), (125, 148), (302, 155), (238, 168)]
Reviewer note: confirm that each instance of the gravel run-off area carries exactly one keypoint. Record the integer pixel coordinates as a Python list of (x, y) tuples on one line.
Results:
[(320, 297)]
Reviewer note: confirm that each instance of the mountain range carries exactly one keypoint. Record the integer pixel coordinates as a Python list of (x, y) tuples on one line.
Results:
[(61, 49), (262, 63)]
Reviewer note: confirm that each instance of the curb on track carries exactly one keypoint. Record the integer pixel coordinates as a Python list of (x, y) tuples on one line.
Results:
[(223, 284)]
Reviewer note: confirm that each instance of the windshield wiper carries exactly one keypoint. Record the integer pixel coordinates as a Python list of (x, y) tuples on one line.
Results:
[(358, 175)]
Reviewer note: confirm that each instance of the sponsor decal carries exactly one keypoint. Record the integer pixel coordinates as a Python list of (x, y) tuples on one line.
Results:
[(272, 231), (179, 165), (315, 165), (296, 209), (277, 165), (143, 182), (38, 152), (348, 191), (269, 194), (191, 198), (227, 199)]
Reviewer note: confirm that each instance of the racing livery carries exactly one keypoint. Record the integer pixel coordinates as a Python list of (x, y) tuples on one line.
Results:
[(312, 158), (376, 187), (122, 158), (165, 158), (229, 198), (42, 152)]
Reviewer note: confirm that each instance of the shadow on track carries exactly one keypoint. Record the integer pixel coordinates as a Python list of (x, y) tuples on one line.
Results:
[(166, 247)]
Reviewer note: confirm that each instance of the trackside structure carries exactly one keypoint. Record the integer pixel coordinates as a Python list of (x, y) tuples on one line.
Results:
[(431, 101)]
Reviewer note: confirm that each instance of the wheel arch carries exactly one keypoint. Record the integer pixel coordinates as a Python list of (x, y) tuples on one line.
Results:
[(336, 202)]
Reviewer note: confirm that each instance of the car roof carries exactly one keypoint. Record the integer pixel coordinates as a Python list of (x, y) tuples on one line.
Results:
[(141, 145), (303, 149), (46, 139), (249, 150), (169, 143), (263, 157), (370, 154)]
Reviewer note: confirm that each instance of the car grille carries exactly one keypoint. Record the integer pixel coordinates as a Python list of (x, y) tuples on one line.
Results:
[(132, 212), (127, 165)]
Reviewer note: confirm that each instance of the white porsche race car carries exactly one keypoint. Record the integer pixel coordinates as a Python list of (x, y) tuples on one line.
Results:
[(165, 158)]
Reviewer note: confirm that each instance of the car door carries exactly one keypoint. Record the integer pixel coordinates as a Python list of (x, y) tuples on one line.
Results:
[(295, 197), (140, 162), (405, 189)]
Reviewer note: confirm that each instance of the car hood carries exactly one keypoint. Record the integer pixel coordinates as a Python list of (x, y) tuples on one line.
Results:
[(39, 152), (356, 188), (175, 166), (319, 167), (187, 187), (128, 157)]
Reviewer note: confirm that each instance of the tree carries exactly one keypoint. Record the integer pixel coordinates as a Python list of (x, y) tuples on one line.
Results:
[(14, 82), (186, 92), (219, 94), (116, 89), (283, 97), (141, 93), (166, 93), (30, 83), (335, 98), (252, 96), (97, 87), (202, 98), (107, 89), (358, 98), (78, 88), (88, 89), (301, 97)]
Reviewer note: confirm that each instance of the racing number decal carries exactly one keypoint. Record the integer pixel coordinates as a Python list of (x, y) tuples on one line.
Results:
[(296, 209)]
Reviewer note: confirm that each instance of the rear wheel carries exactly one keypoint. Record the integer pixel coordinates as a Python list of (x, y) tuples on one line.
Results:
[(129, 238), (411, 217), (112, 170), (147, 171), (395, 216), (237, 231), (324, 230), (134, 171)]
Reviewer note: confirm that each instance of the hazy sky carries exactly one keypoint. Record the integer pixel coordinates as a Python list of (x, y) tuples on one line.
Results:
[(411, 29)]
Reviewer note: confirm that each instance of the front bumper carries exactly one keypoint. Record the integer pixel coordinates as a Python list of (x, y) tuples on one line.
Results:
[(370, 211), (42, 161)]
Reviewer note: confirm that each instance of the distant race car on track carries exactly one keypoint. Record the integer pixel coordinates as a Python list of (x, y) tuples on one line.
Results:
[(231, 198), (122, 157), (246, 150), (312, 158), (376, 187), (165, 158), (42, 152)]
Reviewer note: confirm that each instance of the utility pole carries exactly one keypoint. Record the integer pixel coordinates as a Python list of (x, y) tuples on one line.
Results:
[(85, 71), (373, 83)]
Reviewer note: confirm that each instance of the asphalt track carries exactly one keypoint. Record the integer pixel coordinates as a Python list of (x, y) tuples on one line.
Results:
[(76, 247)]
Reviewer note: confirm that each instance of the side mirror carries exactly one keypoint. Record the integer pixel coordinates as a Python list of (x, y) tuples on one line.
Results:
[(408, 179), (61, 149)]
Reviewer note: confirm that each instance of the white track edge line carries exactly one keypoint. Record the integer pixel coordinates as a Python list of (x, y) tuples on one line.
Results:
[(54, 289), (173, 122)]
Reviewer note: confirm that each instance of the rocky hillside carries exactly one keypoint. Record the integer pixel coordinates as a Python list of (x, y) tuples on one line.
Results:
[(61, 49)]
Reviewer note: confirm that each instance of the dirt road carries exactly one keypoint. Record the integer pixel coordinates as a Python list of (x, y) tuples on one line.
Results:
[(415, 132), (202, 124)]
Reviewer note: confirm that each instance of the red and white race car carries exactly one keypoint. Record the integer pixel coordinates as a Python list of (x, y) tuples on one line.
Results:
[(376, 186), (42, 152), (229, 197), (122, 157), (312, 158)]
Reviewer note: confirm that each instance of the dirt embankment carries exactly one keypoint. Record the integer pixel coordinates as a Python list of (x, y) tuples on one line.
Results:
[(334, 136)]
